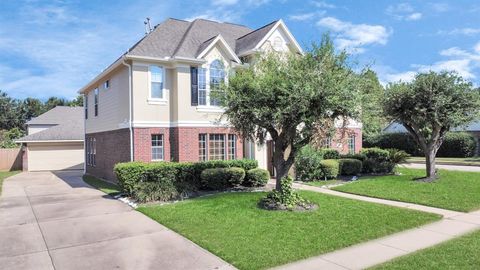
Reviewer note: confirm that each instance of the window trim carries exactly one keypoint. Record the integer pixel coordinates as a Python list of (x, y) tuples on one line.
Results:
[(85, 105), (106, 84), (351, 142), (231, 151), (160, 147), (150, 99), (208, 107), (96, 97)]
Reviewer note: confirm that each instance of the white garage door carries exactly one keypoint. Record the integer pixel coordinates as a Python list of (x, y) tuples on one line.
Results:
[(55, 156)]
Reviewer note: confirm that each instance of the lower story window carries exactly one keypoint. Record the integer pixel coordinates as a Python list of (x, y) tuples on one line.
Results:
[(91, 151), (248, 149), (328, 142), (232, 149), (157, 147), (351, 144), (202, 147), (216, 146)]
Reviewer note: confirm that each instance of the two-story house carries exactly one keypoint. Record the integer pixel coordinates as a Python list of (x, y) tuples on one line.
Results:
[(154, 103)]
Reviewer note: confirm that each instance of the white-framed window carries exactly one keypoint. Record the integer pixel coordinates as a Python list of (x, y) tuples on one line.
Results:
[(202, 86), (85, 105), (106, 84), (157, 147), (232, 146), (202, 147), (157, 78), (91, 151), (95, 101), (217, 77), (216, 146), (351, 144), (328, 142), (248, 149)]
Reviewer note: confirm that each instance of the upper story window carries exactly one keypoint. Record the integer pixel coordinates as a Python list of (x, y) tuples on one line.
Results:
[(95, 101), (217, 76), (106, 84), (86, 106), (277, 44), (202, 86), (156, 82)]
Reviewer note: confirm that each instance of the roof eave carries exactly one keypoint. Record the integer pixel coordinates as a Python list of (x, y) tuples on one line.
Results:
[(220, 39)]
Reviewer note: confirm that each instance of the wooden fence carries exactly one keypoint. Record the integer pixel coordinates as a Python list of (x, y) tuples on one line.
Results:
[(10, 159)]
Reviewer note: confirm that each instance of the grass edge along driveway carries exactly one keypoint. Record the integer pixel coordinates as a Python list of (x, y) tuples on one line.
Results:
[(454, 190), (458, 253), (231, 226), (6, 174)]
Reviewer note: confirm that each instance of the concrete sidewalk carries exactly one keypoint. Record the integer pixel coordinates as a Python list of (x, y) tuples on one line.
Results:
[(444, 167), (381, 250), (56, 221)]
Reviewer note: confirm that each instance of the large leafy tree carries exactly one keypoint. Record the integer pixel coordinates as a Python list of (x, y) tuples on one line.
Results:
[(429, 106), (372, 116), (288, 96)]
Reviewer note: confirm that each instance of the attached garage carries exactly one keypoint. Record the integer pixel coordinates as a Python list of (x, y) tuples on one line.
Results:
[(55, 156), (55, 141)]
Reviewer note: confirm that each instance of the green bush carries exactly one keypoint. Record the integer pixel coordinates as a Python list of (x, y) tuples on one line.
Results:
[(329, 168), (350, 166), (307, 164), (256, 178), (377, 161), (170, 180), (357, 156), (455, 144), (397, 156), (222, 178), (329, 153)]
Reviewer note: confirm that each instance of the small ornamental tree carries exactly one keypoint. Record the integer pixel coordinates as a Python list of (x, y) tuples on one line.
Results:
[(286, 96), (429, 106)]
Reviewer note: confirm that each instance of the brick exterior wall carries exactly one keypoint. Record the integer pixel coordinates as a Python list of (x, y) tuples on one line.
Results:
[(112, 147), (341, 144), (142, 141)]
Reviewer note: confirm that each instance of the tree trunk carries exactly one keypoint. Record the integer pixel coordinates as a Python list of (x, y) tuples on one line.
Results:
[(430, 154)]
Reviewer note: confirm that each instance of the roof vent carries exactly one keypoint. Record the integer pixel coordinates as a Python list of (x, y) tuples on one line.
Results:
[(148, 27)]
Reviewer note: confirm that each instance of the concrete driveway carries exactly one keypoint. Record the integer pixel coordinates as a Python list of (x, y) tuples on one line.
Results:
[(56, 221)]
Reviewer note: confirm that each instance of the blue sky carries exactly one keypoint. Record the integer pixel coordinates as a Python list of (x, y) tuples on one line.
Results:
[(55, 47)]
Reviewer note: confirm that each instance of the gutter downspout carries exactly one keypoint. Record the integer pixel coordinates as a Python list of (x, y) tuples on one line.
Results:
[(130, 124)]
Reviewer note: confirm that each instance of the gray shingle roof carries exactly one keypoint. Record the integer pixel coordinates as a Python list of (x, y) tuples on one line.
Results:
[(68, 123), (58, 115), (178, 38)]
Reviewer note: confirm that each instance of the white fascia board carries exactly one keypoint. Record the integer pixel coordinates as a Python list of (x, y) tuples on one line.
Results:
[(102, 74), (49, 141), (220, 39)]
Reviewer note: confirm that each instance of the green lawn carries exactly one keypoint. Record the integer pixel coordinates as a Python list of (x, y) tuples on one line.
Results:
[(460, 253), (4, 175), (232, 226), (109, 188), (470, 161), (454, 190), (323, 183)]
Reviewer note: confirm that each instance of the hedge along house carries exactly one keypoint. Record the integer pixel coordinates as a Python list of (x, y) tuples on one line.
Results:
[(473, 129), (154, 104)]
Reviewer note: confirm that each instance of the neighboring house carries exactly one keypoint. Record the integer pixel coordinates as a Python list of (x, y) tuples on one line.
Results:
[(473, 128), (55, 140), (154, 103)]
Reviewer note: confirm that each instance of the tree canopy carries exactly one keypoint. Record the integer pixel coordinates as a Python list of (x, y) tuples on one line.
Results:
[(431, 105), (286, 96)]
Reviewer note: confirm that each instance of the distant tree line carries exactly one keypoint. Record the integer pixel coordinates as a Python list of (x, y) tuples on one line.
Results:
[(14, 113)]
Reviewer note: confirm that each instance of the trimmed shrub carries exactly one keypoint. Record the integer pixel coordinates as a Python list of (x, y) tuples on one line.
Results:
[(377, 161), (329, 153), (256, 178), (357, 156), (307, 164), (350, 166), (455, 144), (222, 178), (171, 180), (329, 168), (397, 156)]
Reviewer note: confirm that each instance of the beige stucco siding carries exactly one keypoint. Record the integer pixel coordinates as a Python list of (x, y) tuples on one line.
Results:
[(146, 110), (113, 104), (55, 156)]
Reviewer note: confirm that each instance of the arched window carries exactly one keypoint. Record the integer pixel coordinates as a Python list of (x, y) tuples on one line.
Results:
[(277, 44), (217, 76)]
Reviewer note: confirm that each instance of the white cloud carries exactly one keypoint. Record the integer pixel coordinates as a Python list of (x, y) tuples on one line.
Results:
[(224, 2), (440, 7), (403, 11), (467, 31), (462, 66), (353, 37), (402, 76), (226, 10), (302, 17), (323, 4)]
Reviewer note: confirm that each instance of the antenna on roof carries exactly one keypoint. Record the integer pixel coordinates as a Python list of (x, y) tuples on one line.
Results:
[(148, 27)]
